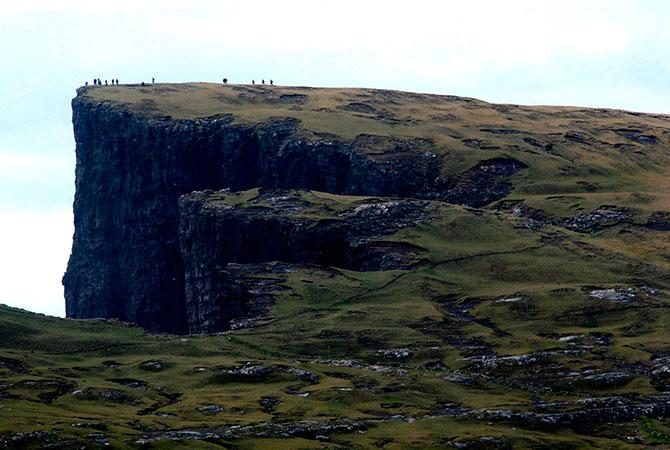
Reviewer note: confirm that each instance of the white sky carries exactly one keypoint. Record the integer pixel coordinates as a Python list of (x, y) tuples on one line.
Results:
[(612, 53)]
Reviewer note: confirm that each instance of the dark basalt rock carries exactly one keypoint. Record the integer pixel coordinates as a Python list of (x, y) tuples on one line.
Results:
[(482, 443), (304, 429), (483, 183), (247, 373), (153, 366), (34, 439), (604, 217), (224, 247), (659, 221), (129, 382), (269, 404), (50, 389), (583, 414), (211, 409), (110, 395), (597, 220), (126, 261), (637, 136), (13, 365)]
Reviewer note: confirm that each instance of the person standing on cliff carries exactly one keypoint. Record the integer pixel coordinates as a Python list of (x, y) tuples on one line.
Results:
[(153, 80)]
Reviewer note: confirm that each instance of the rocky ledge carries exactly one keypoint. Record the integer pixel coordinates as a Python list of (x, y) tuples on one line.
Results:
[(227, 239), (131, 170)]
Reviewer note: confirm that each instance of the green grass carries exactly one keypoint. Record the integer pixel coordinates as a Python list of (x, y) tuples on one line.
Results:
[(470, 256), (334, 322)]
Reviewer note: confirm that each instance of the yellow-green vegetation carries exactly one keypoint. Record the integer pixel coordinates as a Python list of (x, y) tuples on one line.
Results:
[(540, 321), (485, 281), (577, 151)]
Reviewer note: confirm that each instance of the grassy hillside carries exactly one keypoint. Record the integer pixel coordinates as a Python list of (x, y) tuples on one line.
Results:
[(540, 321), (383, 351), (581, 152)]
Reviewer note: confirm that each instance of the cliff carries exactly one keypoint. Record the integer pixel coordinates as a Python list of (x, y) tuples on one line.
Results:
[(140, 148), (391, 270), (225, 236)]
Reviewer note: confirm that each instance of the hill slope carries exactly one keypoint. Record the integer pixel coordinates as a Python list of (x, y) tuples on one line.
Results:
[(392, 270)]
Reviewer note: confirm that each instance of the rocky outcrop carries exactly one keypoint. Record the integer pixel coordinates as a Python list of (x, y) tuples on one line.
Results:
[(223, 242), (126, 261)]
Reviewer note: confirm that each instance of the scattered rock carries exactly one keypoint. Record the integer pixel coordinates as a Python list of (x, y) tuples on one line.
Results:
[(248, 372), (304, 429), (510, 300), (269, 404), (481, 443), (503, 131), (638, 136), (53, 388), (154, 365), (623, 295), (597, 220), (100, 426), (395, 353), (606, 380), (459, 378), (98, 439), (659, 221), (110, 395), (483, 183), (28, 439), (111, 364), (211, 409), (301, 374), (580, 138), (129, 382), (13, 364)]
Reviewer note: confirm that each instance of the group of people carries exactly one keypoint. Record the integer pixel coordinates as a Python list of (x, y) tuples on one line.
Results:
[(98, 82), (225, 81), (115, 82)]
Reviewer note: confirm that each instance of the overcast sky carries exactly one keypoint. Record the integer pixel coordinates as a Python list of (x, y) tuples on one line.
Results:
[(611, 53)]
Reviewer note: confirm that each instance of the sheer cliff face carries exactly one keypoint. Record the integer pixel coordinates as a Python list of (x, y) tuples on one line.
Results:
[(126, 261)]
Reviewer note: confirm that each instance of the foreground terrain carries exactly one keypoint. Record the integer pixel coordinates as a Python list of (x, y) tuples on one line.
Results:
[(520, 301)]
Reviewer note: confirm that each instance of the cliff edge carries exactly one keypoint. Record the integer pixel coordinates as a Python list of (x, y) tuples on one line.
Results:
[(140, 253)]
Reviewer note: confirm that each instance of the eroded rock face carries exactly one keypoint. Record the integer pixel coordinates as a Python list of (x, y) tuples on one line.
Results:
[(126, 261), (223, 243)]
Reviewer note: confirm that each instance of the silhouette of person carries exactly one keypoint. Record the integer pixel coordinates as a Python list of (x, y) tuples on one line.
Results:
[(95, 82), (263, 80), (153, 80), (253, 81), (271, 82), (86, 84), (106, 83), (143, 83)]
